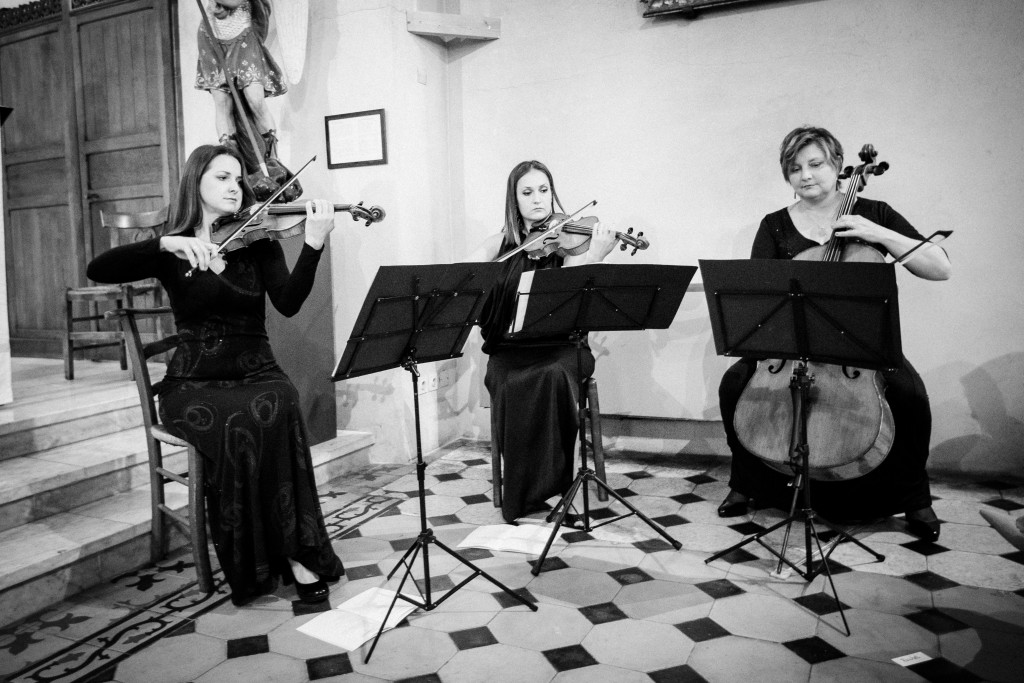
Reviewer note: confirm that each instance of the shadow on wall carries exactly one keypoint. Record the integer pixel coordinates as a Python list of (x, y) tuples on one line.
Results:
[(992, 391)]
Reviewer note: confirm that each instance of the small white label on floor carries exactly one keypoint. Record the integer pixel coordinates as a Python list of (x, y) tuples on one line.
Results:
[(911, 659)]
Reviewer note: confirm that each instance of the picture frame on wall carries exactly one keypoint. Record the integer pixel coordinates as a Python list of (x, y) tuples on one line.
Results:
[(358, 138)]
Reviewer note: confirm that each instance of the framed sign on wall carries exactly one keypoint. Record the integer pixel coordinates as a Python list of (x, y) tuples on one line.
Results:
[(356, 139)]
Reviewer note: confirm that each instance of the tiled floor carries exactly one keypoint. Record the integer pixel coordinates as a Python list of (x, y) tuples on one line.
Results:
[(616, 604)]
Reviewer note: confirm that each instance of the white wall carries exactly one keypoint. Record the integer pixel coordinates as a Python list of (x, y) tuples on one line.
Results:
[(673, 126)]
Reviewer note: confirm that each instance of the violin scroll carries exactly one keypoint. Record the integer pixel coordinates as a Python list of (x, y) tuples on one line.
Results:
[(629, 240), (374, 214)]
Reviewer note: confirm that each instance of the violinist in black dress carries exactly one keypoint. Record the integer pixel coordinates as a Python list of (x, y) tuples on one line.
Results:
[(811, 159), (533, 383), (224, 391)]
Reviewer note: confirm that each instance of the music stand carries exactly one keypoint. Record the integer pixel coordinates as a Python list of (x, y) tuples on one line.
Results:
[(411, 315), (839, 313), (575, 301)]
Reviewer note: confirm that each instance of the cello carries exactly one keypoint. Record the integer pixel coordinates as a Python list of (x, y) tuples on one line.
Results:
[(851, 429)]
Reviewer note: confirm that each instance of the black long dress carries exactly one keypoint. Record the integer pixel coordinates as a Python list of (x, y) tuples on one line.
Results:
[(225, 393), (900, 482), (534, 386)]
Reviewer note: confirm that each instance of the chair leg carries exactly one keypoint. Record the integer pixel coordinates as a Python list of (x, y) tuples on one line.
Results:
[(69, 347), (157, 527), (122, 348), (197, 521), (495, 461), (596, 446)]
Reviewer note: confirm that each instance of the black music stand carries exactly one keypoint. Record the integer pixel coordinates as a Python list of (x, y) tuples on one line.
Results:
[(411, 315), (840, 313), (575, 301)]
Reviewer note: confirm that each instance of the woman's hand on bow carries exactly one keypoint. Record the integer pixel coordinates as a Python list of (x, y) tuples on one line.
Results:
[(199, 253)]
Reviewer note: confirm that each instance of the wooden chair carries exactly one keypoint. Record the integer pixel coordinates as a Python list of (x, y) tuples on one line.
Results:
[(592, 413), (194, 524), (124, 228)]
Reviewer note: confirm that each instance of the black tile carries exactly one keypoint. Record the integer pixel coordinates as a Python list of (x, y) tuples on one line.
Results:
[(300, 608), (925, 547), (473, 637), (576, 536), (447, 476), (1020, 592), (506, 600), (331, 665), (472, 554), (476, 498), (720, 588), (551, 564), (687, 498), (747, 528), (1004, 504), (1016, 556), (930, 581), (739, 556), (185, 628), (603, 513), (390, 512), (670, 520), (943, 671), (443, 520), (639, 474), (630, 576), (700, 479), (625, 493), (438, 584), (251, 645), (104, 675), (603, 613), (677, 674), (814, 650), (997, 484), (653, 545), (402, 543), (571, 657), (429, 678), (475, 461), (935, 621), (820, 603), (834, 567), (365, 571), (702, 629)]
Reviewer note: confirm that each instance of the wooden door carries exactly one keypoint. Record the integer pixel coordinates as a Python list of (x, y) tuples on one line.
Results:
[(104, 73)]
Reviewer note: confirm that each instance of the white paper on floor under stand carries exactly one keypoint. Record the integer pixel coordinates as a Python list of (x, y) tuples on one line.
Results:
[(525, 538), (358, 619)]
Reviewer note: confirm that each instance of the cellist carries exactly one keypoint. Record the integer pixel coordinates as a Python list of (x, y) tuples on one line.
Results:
[(811, 159)]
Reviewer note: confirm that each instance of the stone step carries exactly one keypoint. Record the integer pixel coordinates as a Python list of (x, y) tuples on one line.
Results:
[(51, 558)]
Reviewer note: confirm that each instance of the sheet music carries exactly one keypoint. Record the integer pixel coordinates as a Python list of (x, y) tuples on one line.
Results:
[(522, 299)]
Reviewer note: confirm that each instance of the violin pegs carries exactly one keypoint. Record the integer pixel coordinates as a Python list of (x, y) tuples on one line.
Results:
[(629, 231), (622, 246), (633, 253)]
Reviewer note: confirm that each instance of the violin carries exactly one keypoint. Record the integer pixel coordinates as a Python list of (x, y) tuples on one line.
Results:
[(565, 236), (276, 222)]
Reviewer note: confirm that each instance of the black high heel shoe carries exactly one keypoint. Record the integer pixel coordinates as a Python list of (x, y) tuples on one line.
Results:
[(312, 593), (923, 523), (734, 505)]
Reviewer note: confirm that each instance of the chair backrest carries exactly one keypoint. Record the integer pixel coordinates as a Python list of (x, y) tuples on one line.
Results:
[(139, 354), (133, 227)]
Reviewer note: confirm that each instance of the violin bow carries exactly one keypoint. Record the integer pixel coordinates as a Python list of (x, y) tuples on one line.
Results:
[(249, 221), (529, 243), (218, 54)]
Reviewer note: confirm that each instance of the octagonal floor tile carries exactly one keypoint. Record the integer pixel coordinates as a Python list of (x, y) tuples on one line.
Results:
[(362, 549), (983, 571), (850, 669), (983, 607), (877, 636), (764, 617), (392, 526), (552, 626), (899, 561), (574, 587), (271, 667), (708, 538), (887, 594), (409, 484), (496, 664), (683, 565), (178, 658), (666, 602), (461, 487), (661, 486), (480, 514), (732, 658), (600, 673), (638, 645), (601, 556), (994, 656), (257, 618), (972, 539), (405, 652), (436, 505)]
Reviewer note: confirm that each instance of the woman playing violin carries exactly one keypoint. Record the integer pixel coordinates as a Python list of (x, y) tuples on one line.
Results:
[(533, 383), (811, 159), (224, 392)]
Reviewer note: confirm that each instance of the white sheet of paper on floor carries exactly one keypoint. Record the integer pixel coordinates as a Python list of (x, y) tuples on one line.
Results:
[(912, 658), (358, 619), (525, 538)]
